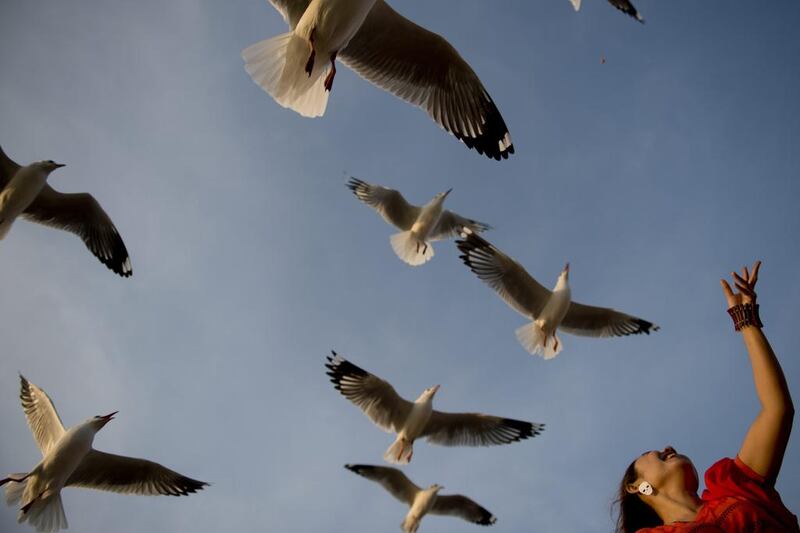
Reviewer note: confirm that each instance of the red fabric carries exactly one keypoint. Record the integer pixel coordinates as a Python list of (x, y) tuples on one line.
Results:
[(736, 499)]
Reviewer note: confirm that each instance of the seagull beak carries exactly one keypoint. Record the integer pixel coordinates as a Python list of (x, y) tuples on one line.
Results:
[(447, 192), (109, 417), (436, 388), (59, 165), (566, 268)]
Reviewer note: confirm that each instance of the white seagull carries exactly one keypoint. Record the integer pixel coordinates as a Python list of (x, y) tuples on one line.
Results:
[(24, 191), (412, 420), (423, 501), (297, 68), (418, 225), (623, 5), (548, 311), (68, 460)]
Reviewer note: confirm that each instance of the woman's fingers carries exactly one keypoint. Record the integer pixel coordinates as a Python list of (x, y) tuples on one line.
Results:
[(727, 290), (744, 289), (739, 279), (746, 274), (754, 273)]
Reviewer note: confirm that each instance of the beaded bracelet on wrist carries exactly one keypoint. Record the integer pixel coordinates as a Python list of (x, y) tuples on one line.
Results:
[(745, 315)]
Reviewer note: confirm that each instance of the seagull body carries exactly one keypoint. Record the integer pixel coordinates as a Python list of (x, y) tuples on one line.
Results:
[(24, 192), (548, 311), (412, 420), (68, 459), (423, 501), (419, 225), (297, 68), (623, 5)]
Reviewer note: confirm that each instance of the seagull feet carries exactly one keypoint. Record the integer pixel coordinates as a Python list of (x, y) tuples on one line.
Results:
[(27, 507), (312, 55), (331, 74), (555, 343), (425, 248)]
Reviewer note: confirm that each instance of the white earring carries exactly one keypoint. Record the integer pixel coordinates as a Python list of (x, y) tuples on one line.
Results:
[(645, 488)]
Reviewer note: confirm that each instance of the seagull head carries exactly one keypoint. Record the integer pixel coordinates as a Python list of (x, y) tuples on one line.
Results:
[(442, 195), (435, 487), (428, 394), (563, 278), (48, 166), (99, 421)]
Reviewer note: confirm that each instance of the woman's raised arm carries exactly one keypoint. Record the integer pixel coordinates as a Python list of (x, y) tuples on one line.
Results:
[(765, 442)]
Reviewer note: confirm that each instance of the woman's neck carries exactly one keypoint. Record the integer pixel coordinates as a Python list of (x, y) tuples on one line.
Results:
[(677, 506)]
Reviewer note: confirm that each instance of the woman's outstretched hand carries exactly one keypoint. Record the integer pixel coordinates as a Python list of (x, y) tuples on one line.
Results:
[(746, 285)]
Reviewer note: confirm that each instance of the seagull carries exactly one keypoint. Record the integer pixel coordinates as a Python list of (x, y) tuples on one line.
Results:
[(419, 225), (417, 419), (548, 311), (24, 191), (623, 5), (423, 501), (297, 68), (68, 460)]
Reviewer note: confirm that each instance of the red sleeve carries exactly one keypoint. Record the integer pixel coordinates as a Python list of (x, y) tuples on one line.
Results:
[(732, 478)]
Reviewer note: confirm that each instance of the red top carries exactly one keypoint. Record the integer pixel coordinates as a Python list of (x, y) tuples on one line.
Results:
[(736, 499)]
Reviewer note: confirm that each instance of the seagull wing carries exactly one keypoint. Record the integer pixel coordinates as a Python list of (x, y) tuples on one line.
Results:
[(391, 479), (423, 69), (371, 394), (7, 169), (591, 321), (82, 215), (389, 203), (128, 475), (452, 224), (291, 10), (475, 429), (462, 507), (504, 275), (626, 7), (42, 417)]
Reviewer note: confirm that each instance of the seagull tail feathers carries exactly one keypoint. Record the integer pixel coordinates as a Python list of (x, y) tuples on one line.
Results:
[(400, 452), (410, 524), (278, 66), (14, 489), (45, 514), (532, 337), (410, 249)]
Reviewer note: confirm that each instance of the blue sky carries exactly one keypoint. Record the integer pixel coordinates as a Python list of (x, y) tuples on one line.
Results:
[(654, 174)]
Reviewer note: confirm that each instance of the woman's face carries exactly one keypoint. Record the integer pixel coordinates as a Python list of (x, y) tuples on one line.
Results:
[(667, 468)]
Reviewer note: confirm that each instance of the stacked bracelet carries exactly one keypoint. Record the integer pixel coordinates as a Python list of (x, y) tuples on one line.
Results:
[(745, 315)]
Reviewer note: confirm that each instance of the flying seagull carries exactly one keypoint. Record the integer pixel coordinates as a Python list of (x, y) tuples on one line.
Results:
[(623, 5), (548, 311), (417, 419), (24, 191), (297, 68), (423, 501), (418, 225), (68, 460)]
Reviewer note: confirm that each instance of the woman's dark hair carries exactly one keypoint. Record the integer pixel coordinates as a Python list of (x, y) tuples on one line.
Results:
[(634, 514)]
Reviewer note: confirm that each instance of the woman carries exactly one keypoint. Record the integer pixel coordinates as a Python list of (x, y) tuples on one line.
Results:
[(659, 490)]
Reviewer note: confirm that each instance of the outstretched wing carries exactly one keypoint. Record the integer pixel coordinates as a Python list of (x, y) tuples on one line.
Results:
[(462, 507), (391, 479), (423, 69), (7, 169), (42, 417), (377, 398), (591, 321), (475, 429), (507, 277), (452, 225), (389, 203), (626, 7), (82, 215), (128, 475)]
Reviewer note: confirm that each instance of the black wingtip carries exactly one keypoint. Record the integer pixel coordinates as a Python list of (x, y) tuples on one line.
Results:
[(494, 141)]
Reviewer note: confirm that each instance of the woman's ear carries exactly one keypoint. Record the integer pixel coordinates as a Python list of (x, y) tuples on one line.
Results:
[(631, 488)]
